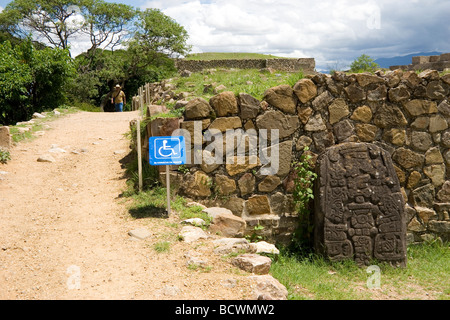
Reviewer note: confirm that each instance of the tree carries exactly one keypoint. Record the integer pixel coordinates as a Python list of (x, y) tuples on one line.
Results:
[(145, 57), (156, 39), (364, 63), (31, 80), (59, 21)]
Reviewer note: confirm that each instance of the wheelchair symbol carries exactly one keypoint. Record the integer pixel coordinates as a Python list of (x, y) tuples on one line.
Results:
[(166, 151)]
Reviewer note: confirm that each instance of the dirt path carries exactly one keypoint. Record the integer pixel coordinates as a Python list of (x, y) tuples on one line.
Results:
[(64, 228)]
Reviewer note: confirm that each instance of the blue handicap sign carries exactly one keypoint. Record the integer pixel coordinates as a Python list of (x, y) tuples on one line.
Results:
[(167, 151)]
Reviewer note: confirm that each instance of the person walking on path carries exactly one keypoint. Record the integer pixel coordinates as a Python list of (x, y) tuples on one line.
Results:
[(118, 99)]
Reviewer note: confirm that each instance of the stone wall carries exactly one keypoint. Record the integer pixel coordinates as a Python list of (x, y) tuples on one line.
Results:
[(439, 63), (404, 113), (291, 65)]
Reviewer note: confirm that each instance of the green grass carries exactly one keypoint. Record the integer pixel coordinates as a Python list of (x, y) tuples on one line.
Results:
[(153, 204), (38, 125), (250, 81), (162, 246), (428, 270), (229, 56)]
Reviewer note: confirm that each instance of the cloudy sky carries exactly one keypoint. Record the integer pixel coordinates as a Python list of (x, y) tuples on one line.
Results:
[(334, 32)]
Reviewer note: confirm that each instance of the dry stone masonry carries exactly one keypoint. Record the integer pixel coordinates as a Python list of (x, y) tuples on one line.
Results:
[(403, 115), (291, 65), (439, 63)]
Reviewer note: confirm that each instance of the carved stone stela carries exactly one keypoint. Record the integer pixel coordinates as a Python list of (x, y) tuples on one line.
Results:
[(360, 210)]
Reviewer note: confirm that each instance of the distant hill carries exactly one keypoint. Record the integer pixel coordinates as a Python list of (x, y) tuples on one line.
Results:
[(403, 60), (228, 56)]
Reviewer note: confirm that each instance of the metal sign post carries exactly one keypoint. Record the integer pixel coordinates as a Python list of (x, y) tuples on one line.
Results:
[(167, 151)]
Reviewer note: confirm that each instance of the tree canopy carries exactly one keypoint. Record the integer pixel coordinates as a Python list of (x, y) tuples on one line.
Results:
[(124, 45), (57, 22)]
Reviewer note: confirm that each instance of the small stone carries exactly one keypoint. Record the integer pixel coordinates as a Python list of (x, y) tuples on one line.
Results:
[(268, 288), (37, 115), (192, 234), (140, 234), (197, 222), (171, 291), (265, 247), (253, 263), (214, 211), (46, 158), (228, 225)]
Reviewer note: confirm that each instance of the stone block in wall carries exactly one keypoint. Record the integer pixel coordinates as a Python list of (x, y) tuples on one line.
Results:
[(442, 228), (359, 206), (364, 79), (444, 194), (363, 114), (436, 173), (322, 101), (388, 116), (197, 184), (281, 97), (315, 123), (284, 157), (164, 126), (421, 141), (250, 106), (419, 107), (305, 90), (195, 129), (198, 108), (241, 164), (224, 104), (344, 130), (269, 184), (247, 184), (444, 57), (153, 110), (224, 185), (338, 110), (408, 159), (437, 90), (411, 79), (438, 123), (420, 59), (423, 196), (258, 205), (226, 123), (274, 119), (366, 132), (355, 93), (235, 205)]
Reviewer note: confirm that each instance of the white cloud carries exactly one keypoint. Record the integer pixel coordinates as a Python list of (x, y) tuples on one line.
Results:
[(331, 31)]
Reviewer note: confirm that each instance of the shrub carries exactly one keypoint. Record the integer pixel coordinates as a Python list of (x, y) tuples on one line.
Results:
[(364, 63)]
